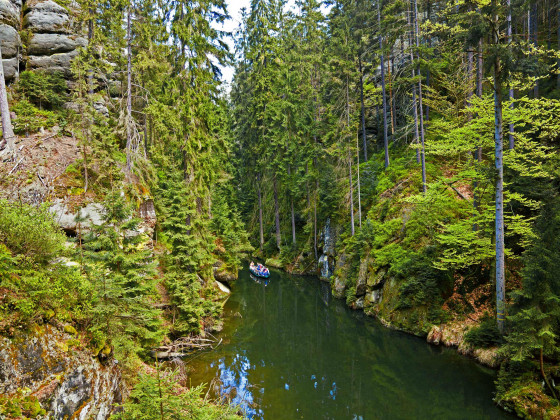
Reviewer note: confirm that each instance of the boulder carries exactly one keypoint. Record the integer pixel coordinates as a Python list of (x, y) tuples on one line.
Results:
[(9, 13), (222, 274), (66, 218), (53, 63), (10, 68), (358, 303), (10, 39), (223, 288), (362, 277), (373, 298), (44, 6), (377, 278), (339, 287), (47, 44), (434, 336), (47, 22)]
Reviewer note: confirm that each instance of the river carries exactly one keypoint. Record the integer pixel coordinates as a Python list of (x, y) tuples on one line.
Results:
[(292, 351)]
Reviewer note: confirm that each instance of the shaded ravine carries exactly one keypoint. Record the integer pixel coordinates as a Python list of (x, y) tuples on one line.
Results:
[(292, 351)]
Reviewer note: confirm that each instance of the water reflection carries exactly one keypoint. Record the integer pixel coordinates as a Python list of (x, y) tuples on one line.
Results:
[(234, 384), (291, 351)]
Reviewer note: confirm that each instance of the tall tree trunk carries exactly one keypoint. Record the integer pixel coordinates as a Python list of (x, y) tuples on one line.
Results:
[(358, 174), (533, 35), (479, 72), (510, 94), (90, 40), (261, 229), (276, 213), (391, 103), (385, 139), (363, 110), (293, 217), (500, 251), (350, 158), (7, 131), (428, 17), (128, 91), (315, 198), (422, 152), (414, 102), (308, 198), (351, 193)]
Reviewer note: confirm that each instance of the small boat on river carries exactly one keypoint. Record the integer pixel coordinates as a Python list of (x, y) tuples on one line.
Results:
[(259, 270)]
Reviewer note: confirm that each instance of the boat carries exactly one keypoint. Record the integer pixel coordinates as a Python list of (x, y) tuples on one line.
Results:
[(262, 272)]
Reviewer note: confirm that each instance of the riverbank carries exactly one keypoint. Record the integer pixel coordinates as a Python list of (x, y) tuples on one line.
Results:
[(378, 297)]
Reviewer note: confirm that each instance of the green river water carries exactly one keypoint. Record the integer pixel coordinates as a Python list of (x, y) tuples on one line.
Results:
[(292, 351)]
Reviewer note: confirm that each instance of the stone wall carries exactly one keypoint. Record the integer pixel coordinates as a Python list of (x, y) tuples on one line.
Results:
[(38, 34)]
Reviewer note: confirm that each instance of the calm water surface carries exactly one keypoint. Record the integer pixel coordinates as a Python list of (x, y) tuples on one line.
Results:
[(291, 351)]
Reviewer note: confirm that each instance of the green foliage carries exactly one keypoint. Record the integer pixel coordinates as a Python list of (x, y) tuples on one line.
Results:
[(35, 284), (30, 231), (123, 272), (30, 119), (485, 335), (19, 406), (45, 90), (159, 396)]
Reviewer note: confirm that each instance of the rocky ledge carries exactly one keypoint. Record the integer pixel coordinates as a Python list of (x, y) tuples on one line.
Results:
[(50, 365)]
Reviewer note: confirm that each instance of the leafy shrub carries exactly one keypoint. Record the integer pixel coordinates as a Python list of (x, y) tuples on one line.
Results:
[(30, 231), (33, 287), (485, 335), (30, 119), (42, 89), (157, 396)]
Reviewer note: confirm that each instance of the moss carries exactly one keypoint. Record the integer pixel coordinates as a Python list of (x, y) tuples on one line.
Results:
[(62, 346), (72, 343), (274, 262), (18, 406), (70, 330), (527, 398), (106, 350)]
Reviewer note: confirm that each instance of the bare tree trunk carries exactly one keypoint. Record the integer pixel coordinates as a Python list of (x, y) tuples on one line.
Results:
[(414, 102), (7, 131), (293, 217), (423, 152), (351, 193), (90, 38), (385, 139), (277, 213), (533, 35), (500, 257), (363, 109), (358, 174), (510, 39), (479, 78), (128, 92), (261, 230), (308, 198), (315, 198), (391, 104), (349, 158)]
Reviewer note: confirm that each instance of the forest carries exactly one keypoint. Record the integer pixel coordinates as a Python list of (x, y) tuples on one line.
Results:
[(406, 152)]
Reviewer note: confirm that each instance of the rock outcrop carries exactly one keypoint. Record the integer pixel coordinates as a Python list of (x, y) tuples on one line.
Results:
[(51, 38), (67, 381)]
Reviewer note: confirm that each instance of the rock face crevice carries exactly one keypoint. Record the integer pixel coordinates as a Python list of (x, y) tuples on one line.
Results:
[(38, 35), (67, 381)]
